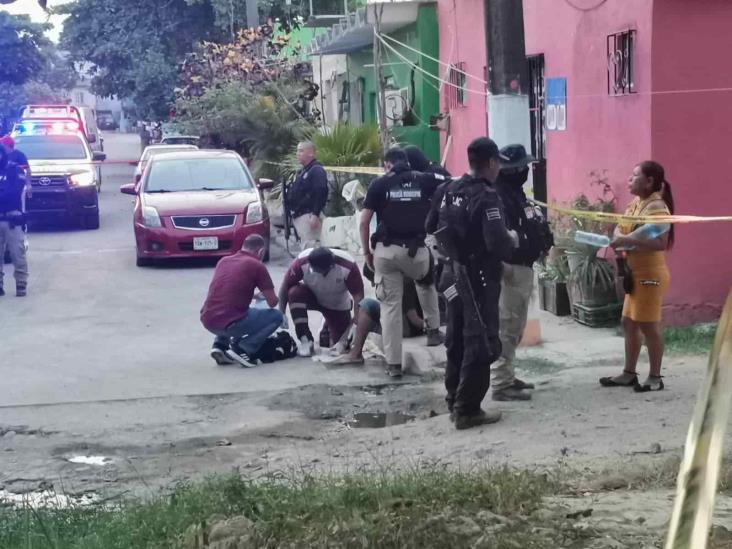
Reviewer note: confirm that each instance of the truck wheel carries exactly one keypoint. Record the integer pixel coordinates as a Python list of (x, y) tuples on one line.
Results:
[(90, 222)]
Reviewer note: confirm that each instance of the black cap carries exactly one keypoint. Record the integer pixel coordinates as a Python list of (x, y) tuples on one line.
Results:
[(514, 156), (483, 149), (321, 259)]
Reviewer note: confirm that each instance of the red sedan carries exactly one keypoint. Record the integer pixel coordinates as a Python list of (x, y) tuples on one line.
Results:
[(196, 204)]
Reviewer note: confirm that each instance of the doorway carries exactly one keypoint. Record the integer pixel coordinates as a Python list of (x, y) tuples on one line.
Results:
[(537, 117)]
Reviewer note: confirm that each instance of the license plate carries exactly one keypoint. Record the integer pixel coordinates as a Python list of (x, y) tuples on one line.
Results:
[(206, 243)]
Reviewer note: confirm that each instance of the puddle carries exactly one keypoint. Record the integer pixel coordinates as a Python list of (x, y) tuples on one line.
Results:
[(374, 390), (45, 498), (379, 420), (90, 460)]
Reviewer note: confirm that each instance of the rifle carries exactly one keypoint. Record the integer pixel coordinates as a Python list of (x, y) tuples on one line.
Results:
[(287, 216), (462, 286)]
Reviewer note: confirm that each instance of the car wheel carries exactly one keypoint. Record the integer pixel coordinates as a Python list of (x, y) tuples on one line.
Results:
[(90, 222), (265, 258)]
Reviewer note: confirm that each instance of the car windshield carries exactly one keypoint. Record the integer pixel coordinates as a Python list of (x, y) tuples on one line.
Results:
[(197, 174), (149, 153), (181, 140), (52, 147)]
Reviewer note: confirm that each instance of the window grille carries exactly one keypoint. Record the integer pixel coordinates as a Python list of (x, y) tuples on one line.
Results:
[(620, 63)]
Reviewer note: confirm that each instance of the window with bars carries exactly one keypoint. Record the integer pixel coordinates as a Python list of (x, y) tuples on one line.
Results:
[(457, 94), (620, 63)]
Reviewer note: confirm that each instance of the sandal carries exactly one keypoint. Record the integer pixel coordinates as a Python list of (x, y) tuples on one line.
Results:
[(610, 382), (646, 387)]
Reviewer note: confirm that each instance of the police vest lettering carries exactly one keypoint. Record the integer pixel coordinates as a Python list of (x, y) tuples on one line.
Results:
[(405, 211)]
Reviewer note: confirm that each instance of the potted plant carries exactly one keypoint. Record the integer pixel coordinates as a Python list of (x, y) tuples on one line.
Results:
[(553, 274), (591, 281)]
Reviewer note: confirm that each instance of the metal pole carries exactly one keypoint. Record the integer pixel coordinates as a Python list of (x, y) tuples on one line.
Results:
[(379, 74), (252, 13)]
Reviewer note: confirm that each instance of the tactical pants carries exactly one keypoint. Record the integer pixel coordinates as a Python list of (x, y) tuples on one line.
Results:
[(391, 265), (14, 241), (469, 357), (516, 287), (309, 228)]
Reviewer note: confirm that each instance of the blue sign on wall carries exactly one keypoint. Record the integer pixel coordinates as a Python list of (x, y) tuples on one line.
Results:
[(556, 104)]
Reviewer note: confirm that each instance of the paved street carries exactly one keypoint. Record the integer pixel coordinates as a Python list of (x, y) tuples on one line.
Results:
[(109, 360), (96, 327)]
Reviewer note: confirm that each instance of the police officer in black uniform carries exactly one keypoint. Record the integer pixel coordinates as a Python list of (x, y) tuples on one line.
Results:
[(12, 221), (401, 201), (467, 220)]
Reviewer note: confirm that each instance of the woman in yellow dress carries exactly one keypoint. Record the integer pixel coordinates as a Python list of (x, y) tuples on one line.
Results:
[(649, 276)]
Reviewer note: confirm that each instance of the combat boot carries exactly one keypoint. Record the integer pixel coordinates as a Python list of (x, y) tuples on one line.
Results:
[(475, 420), (510, 393), (435, 338)]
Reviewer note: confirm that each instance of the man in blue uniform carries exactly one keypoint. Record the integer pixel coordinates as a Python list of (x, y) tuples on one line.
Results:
[(11, 223), (307, 196)]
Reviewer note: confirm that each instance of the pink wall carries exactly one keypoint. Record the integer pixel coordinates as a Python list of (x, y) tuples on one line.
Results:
[(462, 39), (680, 45), (603, 132), (691, 138)]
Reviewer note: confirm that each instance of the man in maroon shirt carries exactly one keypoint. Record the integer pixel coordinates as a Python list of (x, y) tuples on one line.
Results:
[(227, 313), (323, 280)]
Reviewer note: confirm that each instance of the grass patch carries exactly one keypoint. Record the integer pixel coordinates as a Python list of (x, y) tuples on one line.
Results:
[(690, 340), (425, 509)]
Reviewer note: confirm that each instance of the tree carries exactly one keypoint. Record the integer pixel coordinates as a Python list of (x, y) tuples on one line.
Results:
[(21, 43), (133, 46), (30, 67)]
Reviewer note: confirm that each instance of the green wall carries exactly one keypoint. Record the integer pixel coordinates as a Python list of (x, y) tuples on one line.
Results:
[(423, 36)]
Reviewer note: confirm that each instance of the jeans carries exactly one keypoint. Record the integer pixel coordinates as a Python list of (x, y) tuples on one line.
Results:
[(250, 332)]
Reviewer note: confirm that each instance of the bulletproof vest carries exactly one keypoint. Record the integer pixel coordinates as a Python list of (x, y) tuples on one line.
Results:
[(405, 212), (455, 214)]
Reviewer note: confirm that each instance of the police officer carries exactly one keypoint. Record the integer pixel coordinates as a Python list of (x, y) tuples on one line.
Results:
[(401, 200), (11, 222), (420, 163), (468, 223), (308, 196), (517, 283)]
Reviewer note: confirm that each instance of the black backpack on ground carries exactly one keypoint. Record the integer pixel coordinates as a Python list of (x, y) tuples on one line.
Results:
[(279, 346)]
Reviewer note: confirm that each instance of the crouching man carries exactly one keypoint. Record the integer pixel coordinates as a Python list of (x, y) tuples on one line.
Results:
[(369, 320), (323, 280), (240, 329)]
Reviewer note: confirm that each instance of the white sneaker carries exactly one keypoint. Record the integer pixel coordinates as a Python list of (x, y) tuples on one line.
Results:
[(219, 355), (241, 359), (306, 347)]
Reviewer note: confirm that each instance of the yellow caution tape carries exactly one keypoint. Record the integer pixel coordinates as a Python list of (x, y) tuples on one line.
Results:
[(699, 472), (597, 216), (366, 170), (622, 218)]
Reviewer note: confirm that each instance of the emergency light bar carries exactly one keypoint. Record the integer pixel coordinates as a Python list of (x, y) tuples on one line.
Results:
[(46, 127)]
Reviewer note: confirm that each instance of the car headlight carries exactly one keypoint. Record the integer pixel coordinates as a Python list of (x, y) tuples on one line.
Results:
[(254, 213), (83, 179), (150, 217)]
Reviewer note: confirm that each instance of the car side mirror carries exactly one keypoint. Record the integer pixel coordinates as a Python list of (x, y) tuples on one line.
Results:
[(91, 138), (128, 188), (265, 184), (99, 156), (138, 177)]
